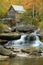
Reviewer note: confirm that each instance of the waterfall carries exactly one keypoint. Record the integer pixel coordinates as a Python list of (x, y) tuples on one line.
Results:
[(31, 40), (17, 42)]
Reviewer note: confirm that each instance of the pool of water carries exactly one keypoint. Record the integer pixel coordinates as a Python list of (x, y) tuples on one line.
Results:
[(22, 61)]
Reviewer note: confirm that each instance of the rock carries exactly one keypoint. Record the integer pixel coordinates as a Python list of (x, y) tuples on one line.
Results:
[(13, 48), (32, 51), (40, 34), (22, 55), (26, 28), (3, 57), (9, 36), (3, 41), (13, 29), (12, 55), (7, 30), (25, 51), (4, 51), (5, 37), (35, 54)]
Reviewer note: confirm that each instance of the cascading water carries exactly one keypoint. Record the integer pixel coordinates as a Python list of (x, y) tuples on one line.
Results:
[(26, 41)]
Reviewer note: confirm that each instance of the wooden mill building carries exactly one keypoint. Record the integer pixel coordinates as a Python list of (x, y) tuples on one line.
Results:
[(14, 13)]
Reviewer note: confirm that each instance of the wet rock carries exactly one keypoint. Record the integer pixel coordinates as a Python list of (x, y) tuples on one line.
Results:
[(12, 55), (40, 34), (32, 51), (26, 28), (3, 41), (5, 37), (25, 51), (9, 36), (35, 54), (13, 48)]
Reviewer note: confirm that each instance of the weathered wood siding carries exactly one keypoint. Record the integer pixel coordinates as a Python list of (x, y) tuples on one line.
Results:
[(11, 13)]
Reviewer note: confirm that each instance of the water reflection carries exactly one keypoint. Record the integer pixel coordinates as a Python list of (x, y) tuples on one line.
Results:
[(22, 61)]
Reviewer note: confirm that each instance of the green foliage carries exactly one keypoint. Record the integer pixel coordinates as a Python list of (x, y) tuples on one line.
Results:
[(27, 17), (2, 26), (39, 19), (41, 25)]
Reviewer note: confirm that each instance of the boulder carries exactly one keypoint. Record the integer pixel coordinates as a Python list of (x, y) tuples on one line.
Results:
[(5, 37), (26, 28), (9, 36), (4, 51)]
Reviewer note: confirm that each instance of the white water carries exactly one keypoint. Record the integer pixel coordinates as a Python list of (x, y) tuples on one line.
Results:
[(25, 42)]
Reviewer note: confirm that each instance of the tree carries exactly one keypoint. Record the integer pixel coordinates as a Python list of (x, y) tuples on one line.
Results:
[(27, 17)]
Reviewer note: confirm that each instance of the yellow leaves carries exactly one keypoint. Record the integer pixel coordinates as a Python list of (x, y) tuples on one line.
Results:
[(4, 6), (5, 0), (28, 6), (29, 3), (26, 3)]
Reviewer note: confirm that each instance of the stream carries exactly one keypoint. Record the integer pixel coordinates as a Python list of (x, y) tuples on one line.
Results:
[(25, 41), (31, 40), (22, 61)]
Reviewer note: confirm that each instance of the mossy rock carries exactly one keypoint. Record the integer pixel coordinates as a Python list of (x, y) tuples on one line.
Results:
[(4, 51)]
